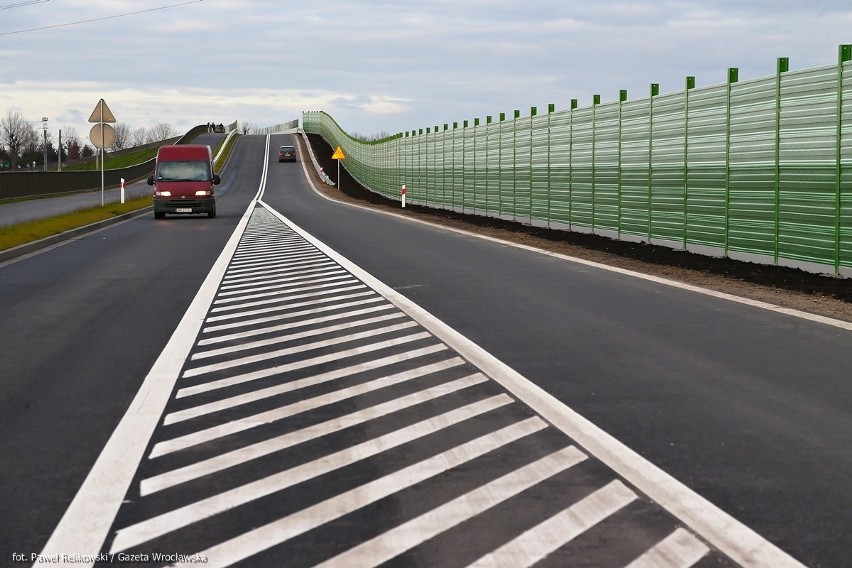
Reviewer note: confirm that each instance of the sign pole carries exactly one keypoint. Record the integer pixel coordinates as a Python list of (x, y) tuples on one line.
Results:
[(338, 155), (101, 116), (103, 155)]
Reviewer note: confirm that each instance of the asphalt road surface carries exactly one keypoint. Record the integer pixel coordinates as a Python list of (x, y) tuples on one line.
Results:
[(747, 408)]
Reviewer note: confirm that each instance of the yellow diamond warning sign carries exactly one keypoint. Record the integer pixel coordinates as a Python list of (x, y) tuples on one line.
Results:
[(338, 154)]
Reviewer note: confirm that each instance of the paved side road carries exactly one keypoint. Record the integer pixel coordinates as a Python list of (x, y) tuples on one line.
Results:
[(22, 211), (31, 210)]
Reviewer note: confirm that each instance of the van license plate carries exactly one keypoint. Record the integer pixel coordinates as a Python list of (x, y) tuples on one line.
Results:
[(183, 210)]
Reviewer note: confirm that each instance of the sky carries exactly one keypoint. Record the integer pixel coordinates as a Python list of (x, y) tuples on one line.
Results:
[(383, 67)]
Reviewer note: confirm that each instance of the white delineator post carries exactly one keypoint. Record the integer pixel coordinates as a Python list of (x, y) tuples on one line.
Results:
[(402, 193), (122, 190)]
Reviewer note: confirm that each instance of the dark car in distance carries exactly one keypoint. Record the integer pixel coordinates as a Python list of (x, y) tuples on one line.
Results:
[(287, 154)]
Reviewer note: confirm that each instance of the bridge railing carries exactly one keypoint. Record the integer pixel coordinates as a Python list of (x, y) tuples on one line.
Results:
[(289, 126), (757, 170)]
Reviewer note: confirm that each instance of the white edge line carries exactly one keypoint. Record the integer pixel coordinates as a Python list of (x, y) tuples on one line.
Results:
[(85, 525), (657, 279), (729, 535), (224, 145)]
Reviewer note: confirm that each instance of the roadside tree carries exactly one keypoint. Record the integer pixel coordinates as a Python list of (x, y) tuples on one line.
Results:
[(71, 141), (138, 137), (162, 131), (16, 135), (122, 136)]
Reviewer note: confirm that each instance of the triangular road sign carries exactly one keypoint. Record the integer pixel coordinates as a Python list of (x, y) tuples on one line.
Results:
[(102, 113), (338, 154)]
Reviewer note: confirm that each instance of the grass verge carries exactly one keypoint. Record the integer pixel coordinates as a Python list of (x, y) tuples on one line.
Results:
[(29, 231), (114, 162), (220, 163)]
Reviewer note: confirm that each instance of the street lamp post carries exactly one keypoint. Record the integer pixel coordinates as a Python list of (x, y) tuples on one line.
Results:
[(44, 127)]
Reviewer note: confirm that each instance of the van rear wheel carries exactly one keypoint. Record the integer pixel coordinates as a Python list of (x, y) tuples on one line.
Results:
[(211, 214), (159, 215)]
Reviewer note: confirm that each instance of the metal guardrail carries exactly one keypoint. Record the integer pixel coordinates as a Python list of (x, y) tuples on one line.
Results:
[(320, 171), (758, 170)]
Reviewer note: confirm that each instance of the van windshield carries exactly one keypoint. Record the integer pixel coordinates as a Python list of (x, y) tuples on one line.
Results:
[(183, 171)]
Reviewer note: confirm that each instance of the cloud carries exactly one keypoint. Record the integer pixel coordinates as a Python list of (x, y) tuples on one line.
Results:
[(390, 66)]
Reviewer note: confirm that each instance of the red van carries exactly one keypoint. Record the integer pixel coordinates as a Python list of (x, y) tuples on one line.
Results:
[(184, 181)]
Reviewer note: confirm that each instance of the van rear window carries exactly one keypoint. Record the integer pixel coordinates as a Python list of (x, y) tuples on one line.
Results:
[(183, 171)]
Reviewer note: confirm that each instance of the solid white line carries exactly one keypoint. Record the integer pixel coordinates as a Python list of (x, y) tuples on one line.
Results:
[(290, 439), (263, 235), (264, 230), (732, 537), (247, 280), (324, 298), (273, 275), (309, 403), (229, 429), (297, 324), (267, 536), (251, 274), (267, 252), (416, 531), (292, 246), (262, 248), (270, 262), (336, 341), (173, 520), (245, 346), (678, 550), (246, 277), (321, 290), (273, 280), (85, 524), (338, 373), (282, 291), (268, 236), (540, 541), (285, 260), (280, 369)]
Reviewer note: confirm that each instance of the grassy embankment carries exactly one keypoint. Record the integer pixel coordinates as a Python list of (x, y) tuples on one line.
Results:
[(114, 162), (22, 233)]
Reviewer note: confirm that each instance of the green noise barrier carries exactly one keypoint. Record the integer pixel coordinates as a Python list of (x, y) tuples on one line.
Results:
[(756, 170)]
